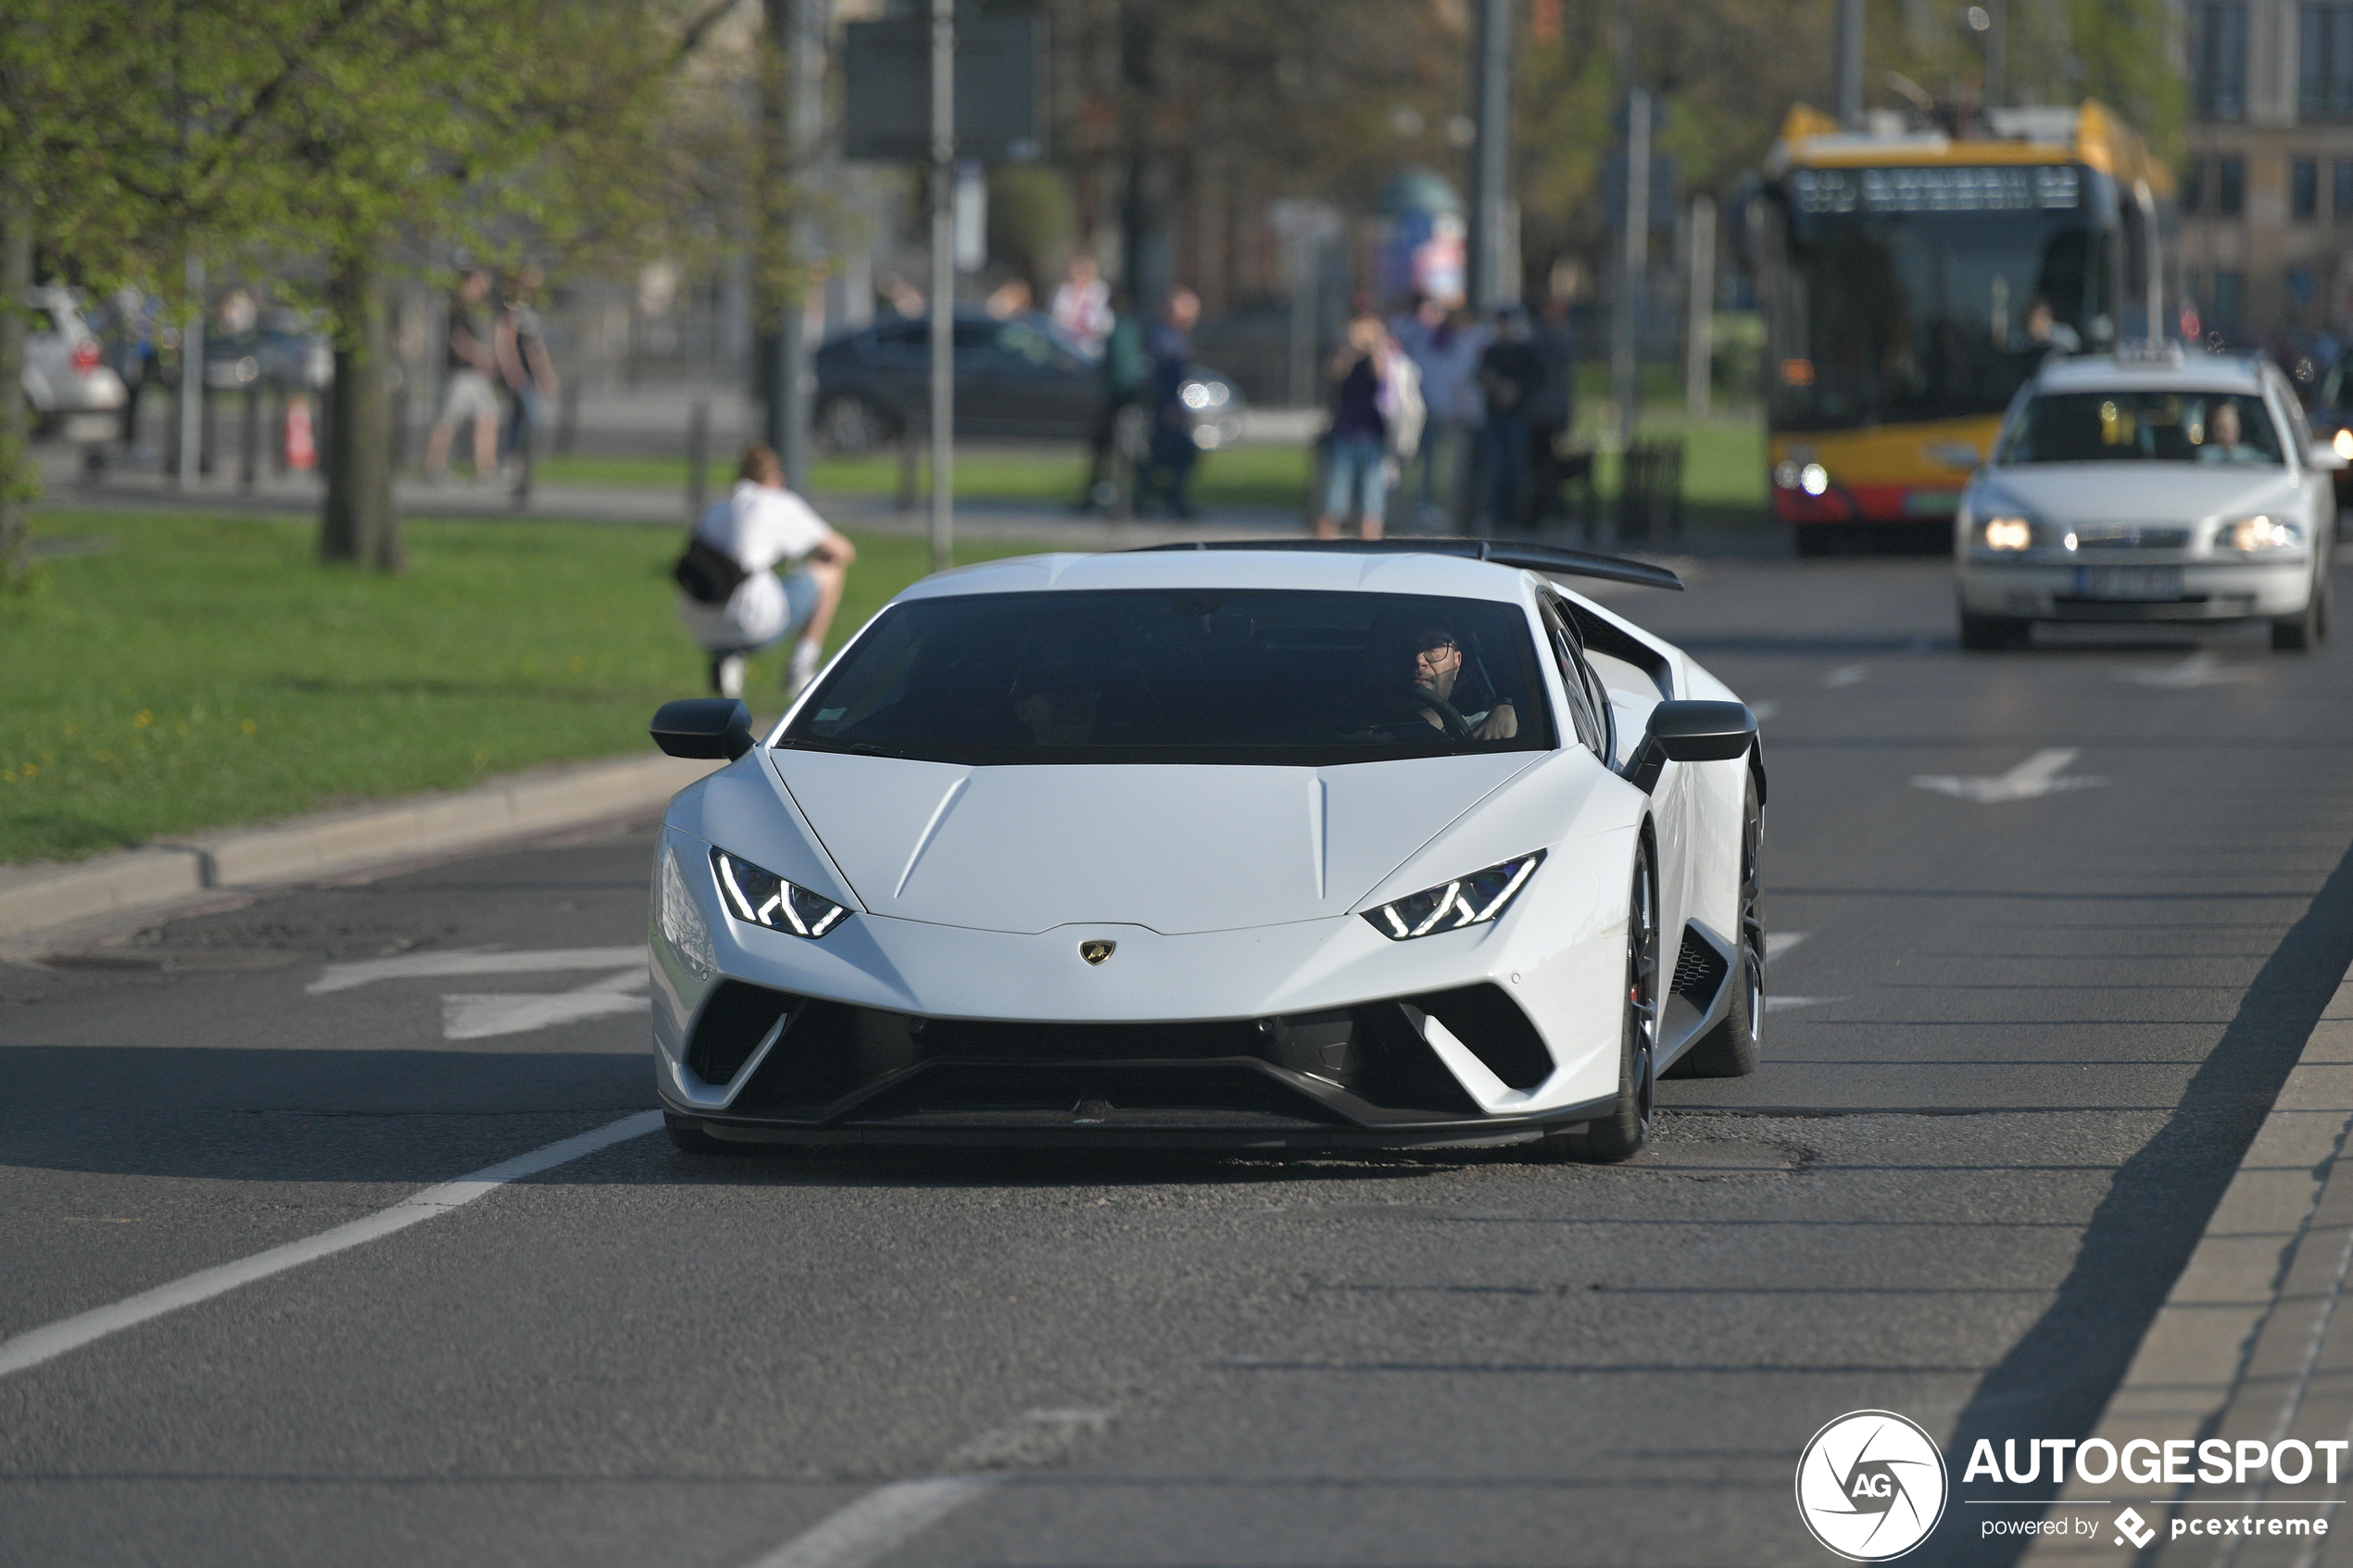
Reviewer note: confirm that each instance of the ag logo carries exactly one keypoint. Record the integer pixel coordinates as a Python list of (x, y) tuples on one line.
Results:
[(1870, 1486), (1096, 952)]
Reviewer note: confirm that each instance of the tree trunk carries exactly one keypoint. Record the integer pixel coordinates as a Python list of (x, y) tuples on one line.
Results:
[(358, 522), (19, 481)]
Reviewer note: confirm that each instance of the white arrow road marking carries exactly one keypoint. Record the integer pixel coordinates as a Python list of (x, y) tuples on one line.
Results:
[(2201, 669), (1779, 942), (479, 1017), (1775, 1004), (41, 1344), (1845, 675), (2038, 775), (471, 961)]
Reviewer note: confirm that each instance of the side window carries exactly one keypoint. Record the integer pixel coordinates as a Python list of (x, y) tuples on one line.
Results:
[(1590, 721)]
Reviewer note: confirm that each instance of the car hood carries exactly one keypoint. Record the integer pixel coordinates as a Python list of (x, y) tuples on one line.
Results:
[(2068, 493), (1175, 849)]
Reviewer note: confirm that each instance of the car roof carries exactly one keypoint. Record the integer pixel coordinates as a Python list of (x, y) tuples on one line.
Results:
[(2192, 372), (1315, 570)]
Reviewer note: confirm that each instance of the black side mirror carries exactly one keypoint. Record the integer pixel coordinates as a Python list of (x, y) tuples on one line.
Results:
[(704, 726), (1690, 732)]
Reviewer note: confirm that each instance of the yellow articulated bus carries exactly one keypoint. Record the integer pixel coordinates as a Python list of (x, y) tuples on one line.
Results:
[(1911, 280)]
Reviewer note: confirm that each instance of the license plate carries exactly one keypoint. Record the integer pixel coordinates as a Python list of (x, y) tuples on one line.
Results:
[(1931, 503), (2129, 581)]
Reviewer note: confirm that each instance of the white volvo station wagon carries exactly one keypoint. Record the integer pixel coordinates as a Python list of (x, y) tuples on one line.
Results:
[(2170, 486)]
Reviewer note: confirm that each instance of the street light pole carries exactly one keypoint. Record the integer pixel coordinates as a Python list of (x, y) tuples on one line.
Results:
[(1490, 154), (943, 282), (1850, 63), (799, 30)]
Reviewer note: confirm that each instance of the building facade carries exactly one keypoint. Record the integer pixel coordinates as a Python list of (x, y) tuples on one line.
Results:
[(2267, 192)]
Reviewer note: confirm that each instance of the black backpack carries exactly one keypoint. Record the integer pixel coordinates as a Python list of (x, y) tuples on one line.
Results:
[(707, 574)]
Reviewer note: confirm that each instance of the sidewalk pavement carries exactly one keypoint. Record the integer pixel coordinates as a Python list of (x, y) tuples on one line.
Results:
[(42, 905), (2249, 1344), (137, 489)]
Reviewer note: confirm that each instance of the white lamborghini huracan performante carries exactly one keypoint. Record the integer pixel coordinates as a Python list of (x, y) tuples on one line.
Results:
[(1265, 846)]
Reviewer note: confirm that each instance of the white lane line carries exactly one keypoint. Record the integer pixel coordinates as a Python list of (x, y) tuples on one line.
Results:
[(2201, 669), (481, 1016), (472, 960), (1779, 942), (2038, 775), (69, 1334), (878, 1523), (1845, 675), (892, 1515)]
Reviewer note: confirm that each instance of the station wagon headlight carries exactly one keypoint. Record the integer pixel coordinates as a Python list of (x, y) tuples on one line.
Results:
[(2007, 533), (1474, 900), (761, 897), (2256, 534)]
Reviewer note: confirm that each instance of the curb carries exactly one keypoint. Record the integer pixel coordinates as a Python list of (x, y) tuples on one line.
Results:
[(44, 898), (2249, 1342)]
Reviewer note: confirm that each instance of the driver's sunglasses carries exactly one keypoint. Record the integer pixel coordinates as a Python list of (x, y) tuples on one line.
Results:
[(1433, 651)]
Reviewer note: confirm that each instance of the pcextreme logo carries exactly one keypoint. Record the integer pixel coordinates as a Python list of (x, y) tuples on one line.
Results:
[(1870, 1486)]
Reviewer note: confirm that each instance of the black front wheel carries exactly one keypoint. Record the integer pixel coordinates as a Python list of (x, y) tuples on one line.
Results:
[(1621, 1133)]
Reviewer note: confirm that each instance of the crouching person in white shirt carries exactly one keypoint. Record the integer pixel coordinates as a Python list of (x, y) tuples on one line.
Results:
[(733, 598)]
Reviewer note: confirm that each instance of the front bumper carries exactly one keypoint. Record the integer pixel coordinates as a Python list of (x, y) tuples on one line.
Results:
[(2208, 590), (1318, 1034)]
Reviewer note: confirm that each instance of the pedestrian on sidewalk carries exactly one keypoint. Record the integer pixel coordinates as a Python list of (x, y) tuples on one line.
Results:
[(1123, 369), (529, 374), (732, 599), (1169, 462), (1357, 463), (1511, 374), (470, 364), (1082, 305)]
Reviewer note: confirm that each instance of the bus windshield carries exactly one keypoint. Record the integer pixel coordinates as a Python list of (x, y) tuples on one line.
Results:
[(1926, 294)]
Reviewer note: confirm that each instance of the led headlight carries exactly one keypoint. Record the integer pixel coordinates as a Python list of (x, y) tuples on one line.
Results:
[(2258, 533), (2008, 534), (1470, 900), (761, 897)]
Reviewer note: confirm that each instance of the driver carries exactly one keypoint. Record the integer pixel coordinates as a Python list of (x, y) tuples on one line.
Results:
[(1058, 705), (1419, 665), (2225, 442)]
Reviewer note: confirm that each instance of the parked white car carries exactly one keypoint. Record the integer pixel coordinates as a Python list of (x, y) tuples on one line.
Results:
[(1308, 845), (2170, 486), (67, 383)]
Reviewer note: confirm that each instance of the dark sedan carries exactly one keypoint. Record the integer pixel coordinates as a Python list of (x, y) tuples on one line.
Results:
[(1017, 376)]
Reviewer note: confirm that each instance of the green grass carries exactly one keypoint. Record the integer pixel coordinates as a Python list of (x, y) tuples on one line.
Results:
[(1240, 476), (198, 672)]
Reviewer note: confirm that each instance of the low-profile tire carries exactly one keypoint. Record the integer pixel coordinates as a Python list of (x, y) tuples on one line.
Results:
[(1729, 1050), (1620, 1132), (688, 1138), (1991, 633), (2301, 633)]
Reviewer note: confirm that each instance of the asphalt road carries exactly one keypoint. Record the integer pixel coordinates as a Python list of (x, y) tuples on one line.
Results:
[(2022, 1031)]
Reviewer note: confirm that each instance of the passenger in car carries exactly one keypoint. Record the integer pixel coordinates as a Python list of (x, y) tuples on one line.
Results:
[(2224, 438)]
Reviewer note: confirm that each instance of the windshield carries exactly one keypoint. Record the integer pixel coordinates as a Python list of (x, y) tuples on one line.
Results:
[(1248, 676), (1923, 294), (2164, 427)]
